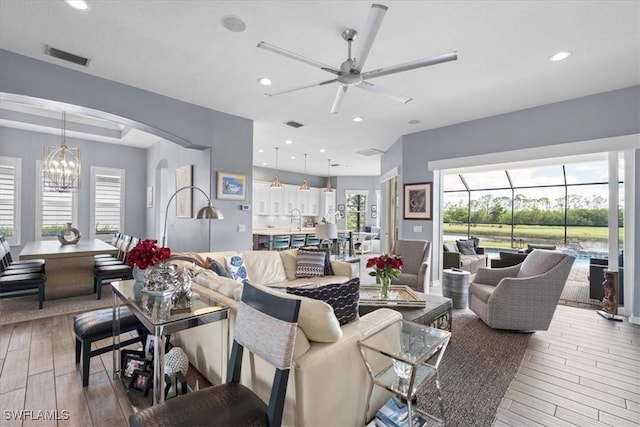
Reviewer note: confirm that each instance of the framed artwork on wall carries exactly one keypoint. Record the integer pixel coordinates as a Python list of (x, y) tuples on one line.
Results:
[(374, 208), (418, 201), (341, 208), (374, 214), (184, 199), (231, 186)]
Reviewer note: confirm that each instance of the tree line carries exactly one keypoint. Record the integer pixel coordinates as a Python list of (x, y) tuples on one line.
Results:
[(581, 211)]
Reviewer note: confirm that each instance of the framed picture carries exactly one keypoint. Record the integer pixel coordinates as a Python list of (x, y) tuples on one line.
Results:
[(184, 199), (149, 197), (374, 208), (140, 381), (231, 186), (417, 201), (340, 208), (374, 214), (148, 348), (131, 360)]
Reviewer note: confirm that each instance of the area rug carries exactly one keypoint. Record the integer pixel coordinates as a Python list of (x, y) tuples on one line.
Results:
[(13, 310), (475, 372)]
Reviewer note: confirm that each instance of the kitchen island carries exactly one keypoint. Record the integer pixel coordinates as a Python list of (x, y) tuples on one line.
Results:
[(263, 238)]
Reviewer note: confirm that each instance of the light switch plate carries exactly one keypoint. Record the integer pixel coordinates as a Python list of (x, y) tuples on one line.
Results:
[(417, 229), (242, 228)]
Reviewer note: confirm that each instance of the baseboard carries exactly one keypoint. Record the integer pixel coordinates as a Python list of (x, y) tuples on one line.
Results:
[(634, 320)]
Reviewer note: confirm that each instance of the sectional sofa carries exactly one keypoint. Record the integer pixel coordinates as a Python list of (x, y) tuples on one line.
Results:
[(328, 384)]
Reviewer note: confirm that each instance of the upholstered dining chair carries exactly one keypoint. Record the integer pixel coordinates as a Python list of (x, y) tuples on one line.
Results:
[(522, 297), (266, 326), (416, 256)]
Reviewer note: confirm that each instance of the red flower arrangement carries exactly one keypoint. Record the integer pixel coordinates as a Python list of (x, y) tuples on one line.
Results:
[(147, 253), (385, 265)]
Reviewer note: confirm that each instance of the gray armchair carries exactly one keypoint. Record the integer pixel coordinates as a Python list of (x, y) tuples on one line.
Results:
[(416, 256), (523, 297)]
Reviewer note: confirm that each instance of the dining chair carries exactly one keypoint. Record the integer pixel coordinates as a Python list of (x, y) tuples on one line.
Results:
[(265, 326)]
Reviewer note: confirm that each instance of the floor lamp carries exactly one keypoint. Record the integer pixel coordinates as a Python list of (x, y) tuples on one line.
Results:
[(207, 212)]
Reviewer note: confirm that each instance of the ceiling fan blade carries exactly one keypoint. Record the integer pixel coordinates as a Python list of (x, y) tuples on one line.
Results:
[(338, 99), (297, 57), (452, 56), (385, 92), (293, 89), (376, 13)]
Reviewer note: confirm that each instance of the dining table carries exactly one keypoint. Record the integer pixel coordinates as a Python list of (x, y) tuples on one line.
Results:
[(68, 268)]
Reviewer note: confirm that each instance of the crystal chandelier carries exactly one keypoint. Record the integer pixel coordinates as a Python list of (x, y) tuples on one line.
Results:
[(62, 164)]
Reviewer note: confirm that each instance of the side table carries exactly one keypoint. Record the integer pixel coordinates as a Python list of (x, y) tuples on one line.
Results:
[(396, 359), (455, 285)]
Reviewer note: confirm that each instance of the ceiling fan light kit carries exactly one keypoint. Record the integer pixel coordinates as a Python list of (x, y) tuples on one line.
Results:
[(350, 71)]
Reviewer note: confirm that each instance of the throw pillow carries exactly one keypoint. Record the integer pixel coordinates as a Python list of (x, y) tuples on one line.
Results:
[(217, 268), (310, 264), (328, 269), (466, 247), (342, 297), (235, 265), (450, 247)]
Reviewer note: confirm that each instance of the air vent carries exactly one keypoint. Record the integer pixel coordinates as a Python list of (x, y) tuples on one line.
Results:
[(66, 56), (294, 124), (370, 152)]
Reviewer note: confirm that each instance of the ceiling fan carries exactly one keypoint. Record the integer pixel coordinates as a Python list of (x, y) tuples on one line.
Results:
[(350, 72)]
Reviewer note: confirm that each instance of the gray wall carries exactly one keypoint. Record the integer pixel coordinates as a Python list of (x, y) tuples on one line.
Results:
[(173, 119), (369, 183), (29, 146)]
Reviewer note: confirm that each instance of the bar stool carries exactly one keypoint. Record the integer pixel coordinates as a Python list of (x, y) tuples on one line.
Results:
[(298, 240), (281, 242), (312, 240)]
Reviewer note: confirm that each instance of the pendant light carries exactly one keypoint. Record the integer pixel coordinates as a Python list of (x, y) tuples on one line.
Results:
[(61, 165), (328, 188), (305, 184), (276, 181)]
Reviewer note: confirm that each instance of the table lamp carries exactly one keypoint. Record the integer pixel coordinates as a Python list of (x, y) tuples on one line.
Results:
[(326, 232)]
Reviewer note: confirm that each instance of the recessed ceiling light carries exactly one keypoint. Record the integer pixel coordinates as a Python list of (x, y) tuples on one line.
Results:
[(563, 54), (77, 4), (348, 166), (357, 119), (413, 121), (264, 163), (288, 142), (261, 151), (234, 24), (322, 150), (293, 157), (264, 81)]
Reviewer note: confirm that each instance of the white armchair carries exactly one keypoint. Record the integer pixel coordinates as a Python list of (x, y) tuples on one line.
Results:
[(522, 297)]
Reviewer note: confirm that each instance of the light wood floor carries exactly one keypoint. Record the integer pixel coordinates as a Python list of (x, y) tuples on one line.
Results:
[(584, 371)]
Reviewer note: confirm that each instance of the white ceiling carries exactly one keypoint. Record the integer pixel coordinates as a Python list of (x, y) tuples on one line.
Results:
[(180, 49)]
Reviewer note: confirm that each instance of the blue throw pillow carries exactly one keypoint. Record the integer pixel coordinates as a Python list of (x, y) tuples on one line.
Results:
[(217, 268), (236, 266)]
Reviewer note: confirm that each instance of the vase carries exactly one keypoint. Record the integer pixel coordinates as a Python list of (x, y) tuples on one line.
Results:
[(138, 273), (69, 235), (385, 284)]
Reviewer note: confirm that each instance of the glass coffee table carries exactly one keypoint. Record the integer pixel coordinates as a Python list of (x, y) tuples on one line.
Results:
[(154, 312), (397, 359)]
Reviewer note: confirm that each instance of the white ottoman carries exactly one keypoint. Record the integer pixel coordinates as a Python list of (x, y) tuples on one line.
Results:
[(455, 285)]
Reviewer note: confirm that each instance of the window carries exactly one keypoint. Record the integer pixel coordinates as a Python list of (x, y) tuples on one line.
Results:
[(10, 173), (356, 210), (53, 209), (107, 202)]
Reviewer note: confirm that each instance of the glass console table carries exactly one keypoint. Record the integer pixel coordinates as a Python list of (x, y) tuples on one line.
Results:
[(396, 358), (154, 312)]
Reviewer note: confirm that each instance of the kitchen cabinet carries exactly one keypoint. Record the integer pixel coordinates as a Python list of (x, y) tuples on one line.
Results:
[(276, 201), (261, 204), (291, 198), (328, 205), (314, 202)]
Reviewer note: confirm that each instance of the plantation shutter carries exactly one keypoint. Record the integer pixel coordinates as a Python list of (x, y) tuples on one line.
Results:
[(7, 200), (108, 205), (57, 210)]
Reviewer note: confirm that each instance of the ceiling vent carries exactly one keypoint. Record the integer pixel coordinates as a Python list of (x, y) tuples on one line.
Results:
[(370, 152), (294, 124), (66, 56)]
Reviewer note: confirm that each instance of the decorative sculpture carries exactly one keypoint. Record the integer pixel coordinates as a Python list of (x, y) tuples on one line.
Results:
[(610, 285)]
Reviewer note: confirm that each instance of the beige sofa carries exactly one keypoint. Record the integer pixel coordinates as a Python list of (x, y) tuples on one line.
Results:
[(328, 384)]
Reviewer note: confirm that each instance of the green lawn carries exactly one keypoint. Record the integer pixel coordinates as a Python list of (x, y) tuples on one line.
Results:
[(499, 236)]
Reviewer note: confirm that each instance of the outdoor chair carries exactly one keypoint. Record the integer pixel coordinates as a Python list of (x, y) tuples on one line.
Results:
[(266, 326), (416, 256), (522, 297)]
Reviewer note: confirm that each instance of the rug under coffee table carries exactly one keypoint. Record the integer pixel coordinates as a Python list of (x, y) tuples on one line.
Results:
[(436, 313)]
